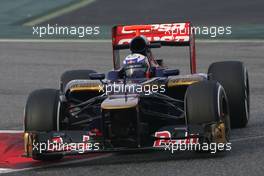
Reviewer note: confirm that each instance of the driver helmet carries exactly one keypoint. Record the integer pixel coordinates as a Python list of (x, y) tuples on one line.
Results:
[(136, 66)]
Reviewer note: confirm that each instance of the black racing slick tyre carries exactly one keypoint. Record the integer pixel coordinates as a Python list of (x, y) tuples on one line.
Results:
[(41, 110), (41, 115), (70, 75), (233, 76), (205, 104)]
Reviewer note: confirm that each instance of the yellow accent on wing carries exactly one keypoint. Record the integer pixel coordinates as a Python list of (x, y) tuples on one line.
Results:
[(174, 83), (92, 88)]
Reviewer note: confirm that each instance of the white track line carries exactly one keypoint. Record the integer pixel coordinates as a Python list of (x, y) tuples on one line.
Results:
[(11, 131), (109, 41), (4, 170), (59, 12)]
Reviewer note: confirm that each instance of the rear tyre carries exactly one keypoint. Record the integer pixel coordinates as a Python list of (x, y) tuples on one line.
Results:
[(41, 115), (206, 106), (70, 75), (233, 76)]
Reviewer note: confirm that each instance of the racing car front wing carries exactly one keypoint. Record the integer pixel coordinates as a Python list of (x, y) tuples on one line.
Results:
[(81, 142)]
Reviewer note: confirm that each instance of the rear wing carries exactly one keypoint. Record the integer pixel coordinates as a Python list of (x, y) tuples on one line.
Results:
[(169, 34)]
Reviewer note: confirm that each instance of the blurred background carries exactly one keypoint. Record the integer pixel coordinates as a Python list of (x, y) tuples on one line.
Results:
[(18, 16), (28, 62)]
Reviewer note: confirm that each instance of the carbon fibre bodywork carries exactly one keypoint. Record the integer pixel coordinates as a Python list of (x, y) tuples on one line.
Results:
[(117, 121)]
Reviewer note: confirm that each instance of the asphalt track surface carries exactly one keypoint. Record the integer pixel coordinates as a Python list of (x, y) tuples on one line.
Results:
[(28, 66), (202, 12)]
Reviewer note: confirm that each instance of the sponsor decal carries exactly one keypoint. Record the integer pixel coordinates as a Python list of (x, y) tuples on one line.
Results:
[(163, 138), (191, 143)]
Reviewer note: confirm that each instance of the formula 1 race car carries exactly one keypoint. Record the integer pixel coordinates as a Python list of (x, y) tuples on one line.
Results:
[(140, 104)]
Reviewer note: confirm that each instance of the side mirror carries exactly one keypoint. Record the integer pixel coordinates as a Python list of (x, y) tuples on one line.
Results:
[(171, 72), (113, 75), (160, 62), (94, 76)]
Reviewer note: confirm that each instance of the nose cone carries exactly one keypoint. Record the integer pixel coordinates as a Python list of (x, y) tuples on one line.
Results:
[(120, 102)]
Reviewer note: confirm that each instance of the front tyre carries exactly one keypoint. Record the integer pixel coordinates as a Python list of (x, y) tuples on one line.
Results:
[(206, 111), (233, 76), (42, 115)]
